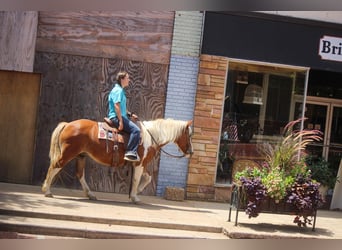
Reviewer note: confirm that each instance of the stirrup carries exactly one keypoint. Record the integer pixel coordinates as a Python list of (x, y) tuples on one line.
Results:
[(133, 157)]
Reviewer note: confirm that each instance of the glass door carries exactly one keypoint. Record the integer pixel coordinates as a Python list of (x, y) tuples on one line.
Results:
[(335, 137), (325, 115), (316, 114)]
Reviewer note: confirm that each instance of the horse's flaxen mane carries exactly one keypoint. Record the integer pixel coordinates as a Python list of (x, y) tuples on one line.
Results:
[(162, 130)]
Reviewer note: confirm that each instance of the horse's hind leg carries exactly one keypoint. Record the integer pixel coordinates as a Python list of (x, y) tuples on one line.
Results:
[(50, 176), (56, 162), (80, 173)]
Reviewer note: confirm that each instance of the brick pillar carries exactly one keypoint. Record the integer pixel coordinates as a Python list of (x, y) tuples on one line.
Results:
[(208, 111)]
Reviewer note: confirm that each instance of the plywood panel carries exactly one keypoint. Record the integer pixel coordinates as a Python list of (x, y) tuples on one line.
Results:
[(144, 36), (18, 31), (75, 87), (19, 94)]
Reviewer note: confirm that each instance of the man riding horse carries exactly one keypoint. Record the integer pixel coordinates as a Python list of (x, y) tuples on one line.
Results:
[(118, 116)]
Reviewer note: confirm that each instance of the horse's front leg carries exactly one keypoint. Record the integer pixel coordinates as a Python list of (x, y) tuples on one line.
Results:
[(145, 180), (80, 172), (137, 172)]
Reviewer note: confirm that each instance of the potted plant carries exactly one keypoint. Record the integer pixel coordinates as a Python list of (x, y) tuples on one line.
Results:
[(284, 176)]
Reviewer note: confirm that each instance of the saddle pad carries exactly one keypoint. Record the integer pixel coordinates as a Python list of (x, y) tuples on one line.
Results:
[(105, 134)]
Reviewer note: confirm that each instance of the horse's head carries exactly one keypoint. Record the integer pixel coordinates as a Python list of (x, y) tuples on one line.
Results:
[(184, 140)]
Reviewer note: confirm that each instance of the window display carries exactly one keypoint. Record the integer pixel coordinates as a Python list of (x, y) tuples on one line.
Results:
[(259, 101)]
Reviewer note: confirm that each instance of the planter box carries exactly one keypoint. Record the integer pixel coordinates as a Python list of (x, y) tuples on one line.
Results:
[(239, 202)]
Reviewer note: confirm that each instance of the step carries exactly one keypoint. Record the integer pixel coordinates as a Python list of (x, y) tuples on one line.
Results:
[(15, 235), (77, 229), (111, 221)]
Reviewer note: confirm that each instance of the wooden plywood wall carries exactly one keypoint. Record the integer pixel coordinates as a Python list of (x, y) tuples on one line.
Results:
[(18, 30), (19, 95), (138, 36), (79, 55)]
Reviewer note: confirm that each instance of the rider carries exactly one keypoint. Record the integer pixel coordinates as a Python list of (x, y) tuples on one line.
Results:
[(119, 116)]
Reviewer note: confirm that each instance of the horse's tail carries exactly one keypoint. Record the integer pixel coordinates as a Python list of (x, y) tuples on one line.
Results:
[(55, 149)]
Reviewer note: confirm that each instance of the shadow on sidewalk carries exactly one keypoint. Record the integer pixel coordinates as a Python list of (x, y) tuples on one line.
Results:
[(288, 229), (28, 203)]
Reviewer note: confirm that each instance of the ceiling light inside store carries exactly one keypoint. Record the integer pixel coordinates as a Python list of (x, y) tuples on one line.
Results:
[(253, 94)]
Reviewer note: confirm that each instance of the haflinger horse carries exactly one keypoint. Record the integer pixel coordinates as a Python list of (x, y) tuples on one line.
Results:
[(79, 138)]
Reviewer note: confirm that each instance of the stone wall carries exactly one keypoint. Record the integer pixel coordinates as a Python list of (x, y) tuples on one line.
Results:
[(207, 124)]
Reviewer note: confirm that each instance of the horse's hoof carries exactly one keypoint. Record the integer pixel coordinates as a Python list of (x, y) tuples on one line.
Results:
[(135, 200), (92, 197), (49, 195)]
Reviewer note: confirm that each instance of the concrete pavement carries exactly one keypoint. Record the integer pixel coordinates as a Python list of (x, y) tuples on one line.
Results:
[(24, 211)]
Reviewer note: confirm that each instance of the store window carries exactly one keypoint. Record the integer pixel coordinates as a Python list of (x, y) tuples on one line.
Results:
[(260, 99)]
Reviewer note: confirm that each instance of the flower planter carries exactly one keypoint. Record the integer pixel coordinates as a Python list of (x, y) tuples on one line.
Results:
[(285, 176), (239, 201)]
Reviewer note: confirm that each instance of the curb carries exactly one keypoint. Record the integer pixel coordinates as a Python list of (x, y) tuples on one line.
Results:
[(135, 223)]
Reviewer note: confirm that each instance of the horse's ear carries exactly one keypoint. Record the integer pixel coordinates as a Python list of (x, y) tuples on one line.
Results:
[(189, 123)]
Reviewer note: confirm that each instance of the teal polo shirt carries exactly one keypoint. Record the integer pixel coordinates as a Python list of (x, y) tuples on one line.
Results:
[(117, 94)]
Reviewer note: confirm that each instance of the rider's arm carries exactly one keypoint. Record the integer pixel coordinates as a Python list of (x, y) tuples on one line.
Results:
[(118, 113)]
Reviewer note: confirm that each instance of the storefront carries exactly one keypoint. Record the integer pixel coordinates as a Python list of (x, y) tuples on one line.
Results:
[(277, 70)]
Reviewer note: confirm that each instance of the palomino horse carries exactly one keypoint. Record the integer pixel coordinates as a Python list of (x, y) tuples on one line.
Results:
[(79, 138)]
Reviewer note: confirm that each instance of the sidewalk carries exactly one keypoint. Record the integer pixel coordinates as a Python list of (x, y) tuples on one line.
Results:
[(25, 206)]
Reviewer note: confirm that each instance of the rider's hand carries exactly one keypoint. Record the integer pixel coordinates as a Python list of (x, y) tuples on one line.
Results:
[(134, 117)]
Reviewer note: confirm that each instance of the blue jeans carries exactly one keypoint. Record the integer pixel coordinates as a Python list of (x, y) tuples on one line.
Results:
[(133, 131)]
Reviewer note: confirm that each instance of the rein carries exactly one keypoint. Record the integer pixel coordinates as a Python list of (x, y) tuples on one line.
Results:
[(154, 140)]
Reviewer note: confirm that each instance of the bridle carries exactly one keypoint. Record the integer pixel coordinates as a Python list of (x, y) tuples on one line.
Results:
[(161, 149)]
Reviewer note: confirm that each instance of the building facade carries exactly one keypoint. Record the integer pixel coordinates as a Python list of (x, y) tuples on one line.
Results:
[(240, 76), (258, 72)]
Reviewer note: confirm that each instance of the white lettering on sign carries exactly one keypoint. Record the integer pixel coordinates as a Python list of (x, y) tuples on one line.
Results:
[(330, 48)]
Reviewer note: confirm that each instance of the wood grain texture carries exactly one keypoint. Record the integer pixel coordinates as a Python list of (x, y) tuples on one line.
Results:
[(18, 30), (75, 87), (138, 36), (18, 124)]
